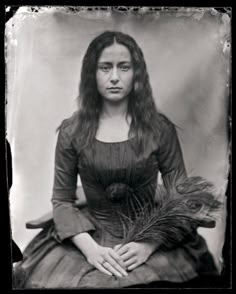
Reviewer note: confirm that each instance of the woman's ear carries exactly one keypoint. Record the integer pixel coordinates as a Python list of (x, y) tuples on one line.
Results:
[(136, 86)]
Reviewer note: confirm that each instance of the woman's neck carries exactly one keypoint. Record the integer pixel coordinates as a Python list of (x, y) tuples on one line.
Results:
[(117, 109)]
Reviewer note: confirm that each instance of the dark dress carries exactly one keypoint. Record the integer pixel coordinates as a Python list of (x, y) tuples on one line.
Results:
[(52, 261)]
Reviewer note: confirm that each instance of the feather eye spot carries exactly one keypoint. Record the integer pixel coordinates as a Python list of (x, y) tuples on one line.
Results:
[(195, 206)]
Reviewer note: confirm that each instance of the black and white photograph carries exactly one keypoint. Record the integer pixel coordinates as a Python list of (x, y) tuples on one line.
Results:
[(118, 129)]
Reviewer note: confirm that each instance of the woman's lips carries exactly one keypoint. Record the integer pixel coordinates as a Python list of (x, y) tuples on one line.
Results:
[(114, 89)]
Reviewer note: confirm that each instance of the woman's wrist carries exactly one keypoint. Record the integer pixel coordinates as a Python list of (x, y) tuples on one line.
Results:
[(84, 242), (152, 246)]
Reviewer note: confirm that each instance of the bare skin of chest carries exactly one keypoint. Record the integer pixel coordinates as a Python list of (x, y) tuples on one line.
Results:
[(113, 130)]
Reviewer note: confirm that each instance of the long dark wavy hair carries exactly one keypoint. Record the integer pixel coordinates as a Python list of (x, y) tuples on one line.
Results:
[(141, 105)]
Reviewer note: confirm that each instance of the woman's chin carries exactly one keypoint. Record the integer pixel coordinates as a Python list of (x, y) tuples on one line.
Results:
[(115, 98)]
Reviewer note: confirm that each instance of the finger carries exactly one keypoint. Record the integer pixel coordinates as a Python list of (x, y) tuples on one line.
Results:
[(102, 269), (111, 269), (127, 255), (130, 261), (117, 258), (118, 247), (116, 265), (122, 250), (133, 266)]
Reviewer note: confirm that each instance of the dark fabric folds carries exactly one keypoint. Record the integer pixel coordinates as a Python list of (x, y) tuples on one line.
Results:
[(68, 220)]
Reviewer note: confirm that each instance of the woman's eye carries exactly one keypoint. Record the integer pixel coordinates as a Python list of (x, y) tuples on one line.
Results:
[(124, 67), (104, 68)]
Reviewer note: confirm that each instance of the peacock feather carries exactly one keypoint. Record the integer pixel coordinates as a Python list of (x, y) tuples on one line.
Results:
[(175, 215)]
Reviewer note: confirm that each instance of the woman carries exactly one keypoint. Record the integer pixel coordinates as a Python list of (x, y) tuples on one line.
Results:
[(117, 142)]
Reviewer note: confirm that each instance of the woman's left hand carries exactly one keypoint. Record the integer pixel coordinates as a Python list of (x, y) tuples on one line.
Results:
[(135, 253)]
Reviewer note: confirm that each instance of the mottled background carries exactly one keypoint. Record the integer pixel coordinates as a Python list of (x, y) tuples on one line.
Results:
[(188, 58)]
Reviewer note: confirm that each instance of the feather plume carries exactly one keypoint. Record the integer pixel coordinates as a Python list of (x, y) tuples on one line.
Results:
[(175, 215)]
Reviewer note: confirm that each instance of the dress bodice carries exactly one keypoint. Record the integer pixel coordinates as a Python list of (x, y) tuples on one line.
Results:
[(115, 177), (117, 181)]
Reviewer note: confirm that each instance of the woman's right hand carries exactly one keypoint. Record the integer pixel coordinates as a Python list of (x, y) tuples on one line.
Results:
[(106, 260)]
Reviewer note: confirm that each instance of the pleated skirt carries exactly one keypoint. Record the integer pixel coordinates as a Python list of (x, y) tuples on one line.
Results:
[(48, 263)]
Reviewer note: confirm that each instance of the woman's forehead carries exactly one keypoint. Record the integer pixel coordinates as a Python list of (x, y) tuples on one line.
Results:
[(115, 52)]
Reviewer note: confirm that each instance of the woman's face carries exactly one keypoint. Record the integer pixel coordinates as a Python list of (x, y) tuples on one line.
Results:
[(115, 73)]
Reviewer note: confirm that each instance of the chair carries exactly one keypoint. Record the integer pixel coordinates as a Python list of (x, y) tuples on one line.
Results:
[(46, 219)]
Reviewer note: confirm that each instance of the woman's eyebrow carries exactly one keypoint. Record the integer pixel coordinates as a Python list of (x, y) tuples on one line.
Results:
[(104, 63), (126, 62), (110, 63)]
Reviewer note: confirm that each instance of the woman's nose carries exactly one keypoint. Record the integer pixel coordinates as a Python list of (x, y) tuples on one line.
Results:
[(115, 76)]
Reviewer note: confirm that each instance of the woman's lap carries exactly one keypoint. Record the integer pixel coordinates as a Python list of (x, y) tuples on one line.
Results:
[(49, 264)]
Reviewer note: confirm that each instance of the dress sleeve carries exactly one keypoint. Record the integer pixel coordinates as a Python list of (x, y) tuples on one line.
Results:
[(68, 219), (171, 160)]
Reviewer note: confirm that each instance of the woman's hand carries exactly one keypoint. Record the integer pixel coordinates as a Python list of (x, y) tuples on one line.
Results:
[(105, 259), (134, 254)]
